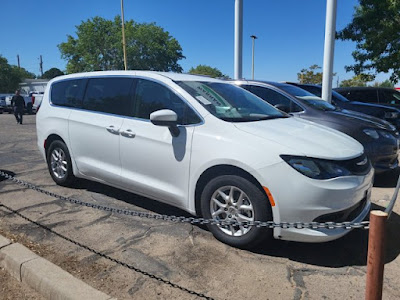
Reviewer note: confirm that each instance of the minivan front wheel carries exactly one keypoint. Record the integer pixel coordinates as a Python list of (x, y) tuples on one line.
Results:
[(234, 198), (59, 163)]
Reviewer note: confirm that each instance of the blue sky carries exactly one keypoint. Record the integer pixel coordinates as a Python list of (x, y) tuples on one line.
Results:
[(290, 32)]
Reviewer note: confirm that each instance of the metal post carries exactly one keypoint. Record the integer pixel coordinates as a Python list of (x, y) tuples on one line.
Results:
[(238, 38), (41, 65), (330, 30), (123, 33), (19, 66), (376, 255), (252, 57)]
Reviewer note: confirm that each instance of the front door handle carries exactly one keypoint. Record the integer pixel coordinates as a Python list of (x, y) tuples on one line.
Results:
[(128, 133), (112, 129)]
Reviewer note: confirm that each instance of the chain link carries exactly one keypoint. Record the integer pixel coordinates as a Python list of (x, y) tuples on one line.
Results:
[(192, 220)]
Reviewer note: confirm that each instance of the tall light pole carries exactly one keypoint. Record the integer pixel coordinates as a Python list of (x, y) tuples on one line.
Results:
[(253, 37), (238, 38), (329, 49), (123, 33)]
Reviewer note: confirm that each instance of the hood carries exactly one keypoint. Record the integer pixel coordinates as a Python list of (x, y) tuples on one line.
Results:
[(304, 138), (364, 120)]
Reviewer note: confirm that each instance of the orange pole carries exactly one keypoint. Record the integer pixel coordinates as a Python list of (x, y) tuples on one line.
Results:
[(376, 255)]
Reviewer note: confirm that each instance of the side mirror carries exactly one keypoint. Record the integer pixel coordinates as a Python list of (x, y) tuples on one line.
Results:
[(166, 118), (283, 108)]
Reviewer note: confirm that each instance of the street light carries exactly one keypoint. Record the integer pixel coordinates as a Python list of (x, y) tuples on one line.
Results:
[(253, 37), (123, 33)]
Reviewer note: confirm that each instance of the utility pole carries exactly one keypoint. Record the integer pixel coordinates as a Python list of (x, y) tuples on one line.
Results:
[(123, 33), (19, 66), (329, 49), (252, 57), (41, 65), (238, 38)]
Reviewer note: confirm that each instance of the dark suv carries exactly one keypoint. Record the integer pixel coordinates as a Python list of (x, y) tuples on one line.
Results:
[(380, 95), (382, 111)]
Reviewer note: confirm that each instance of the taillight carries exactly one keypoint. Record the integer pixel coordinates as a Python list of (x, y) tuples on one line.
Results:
[(33, 99)]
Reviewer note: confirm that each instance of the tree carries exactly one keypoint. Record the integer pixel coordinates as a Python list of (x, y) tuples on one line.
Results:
[(310, 75), (98, 46), (375, 28), (357, 80), (51, 73), (386, 83), (11, 76), (208, 71)]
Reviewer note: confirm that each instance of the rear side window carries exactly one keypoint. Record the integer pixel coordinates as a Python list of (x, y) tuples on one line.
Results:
[(362, 95), (109, 95), (389, 97), (68, 92)]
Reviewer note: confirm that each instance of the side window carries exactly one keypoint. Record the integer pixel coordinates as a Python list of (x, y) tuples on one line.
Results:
[(369, 96), (389, 97), (109, 95), (151, 96), (68, 92), (273, 97)]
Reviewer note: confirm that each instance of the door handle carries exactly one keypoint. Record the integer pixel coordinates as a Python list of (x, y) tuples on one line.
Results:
[(128, 133), (112, 129)]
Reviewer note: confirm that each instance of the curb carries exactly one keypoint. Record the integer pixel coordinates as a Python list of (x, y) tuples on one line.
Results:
[(46, 278)]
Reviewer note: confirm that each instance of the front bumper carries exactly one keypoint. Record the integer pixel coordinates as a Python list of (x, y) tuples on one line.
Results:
[(383, 154), (302, 199)]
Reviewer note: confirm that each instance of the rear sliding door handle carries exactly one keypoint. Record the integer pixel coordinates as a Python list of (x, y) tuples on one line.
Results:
[(112, 129), (128, 133)]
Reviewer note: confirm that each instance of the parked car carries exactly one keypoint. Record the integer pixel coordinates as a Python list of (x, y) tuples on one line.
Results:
[(380, 139), (2, 103), (385, 112), (207, 147), (381, 95), (29, 99)]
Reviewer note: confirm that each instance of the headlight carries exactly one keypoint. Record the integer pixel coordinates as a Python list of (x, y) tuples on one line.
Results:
[(372, 133), (391, 115), (317, 168)]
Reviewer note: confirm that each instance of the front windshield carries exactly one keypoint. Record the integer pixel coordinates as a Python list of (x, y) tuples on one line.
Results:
[(229, 102), (308, 98)]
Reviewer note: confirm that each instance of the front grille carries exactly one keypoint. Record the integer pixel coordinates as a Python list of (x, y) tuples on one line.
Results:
[(346, 215)]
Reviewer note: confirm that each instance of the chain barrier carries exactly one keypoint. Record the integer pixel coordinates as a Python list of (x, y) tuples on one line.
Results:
[(174, 285), (192, 220)]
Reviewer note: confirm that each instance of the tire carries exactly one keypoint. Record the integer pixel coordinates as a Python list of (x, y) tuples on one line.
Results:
[(59, 164), (257, 209)]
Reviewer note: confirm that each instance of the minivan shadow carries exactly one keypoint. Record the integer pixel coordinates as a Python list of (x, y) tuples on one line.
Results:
[(351, 250)]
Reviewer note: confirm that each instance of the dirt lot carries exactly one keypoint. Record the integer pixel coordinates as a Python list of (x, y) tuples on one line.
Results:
[(182, 254)]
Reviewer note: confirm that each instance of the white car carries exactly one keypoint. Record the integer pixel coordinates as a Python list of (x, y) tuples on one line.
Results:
[(206, 146)]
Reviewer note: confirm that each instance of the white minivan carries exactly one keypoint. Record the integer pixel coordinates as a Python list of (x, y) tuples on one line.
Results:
[(205, 146)]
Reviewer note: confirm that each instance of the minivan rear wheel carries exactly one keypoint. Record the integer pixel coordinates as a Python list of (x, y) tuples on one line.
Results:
[(59, 163), (234, 198)]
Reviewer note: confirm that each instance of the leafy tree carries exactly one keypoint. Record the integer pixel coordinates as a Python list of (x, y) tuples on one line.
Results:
[(208, 71), (375, 28), (357, 80), (98, 46), (386, 83), (310, 75), (51, 73), (11, 76)]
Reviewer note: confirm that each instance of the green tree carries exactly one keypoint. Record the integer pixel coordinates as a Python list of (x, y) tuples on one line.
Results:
[(51, 73), (375, 28), (208, 71), (310, 75), (357, 80), (386, 83), (98, 46), (11, 76)]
